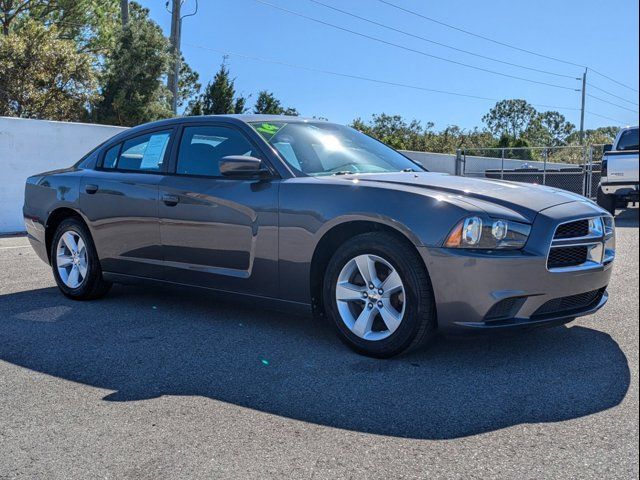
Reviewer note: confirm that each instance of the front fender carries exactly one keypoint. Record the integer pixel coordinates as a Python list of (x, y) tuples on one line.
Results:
[(309, 209)]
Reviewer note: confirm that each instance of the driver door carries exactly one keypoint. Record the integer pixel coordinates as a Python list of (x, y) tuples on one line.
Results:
[(216, 231)]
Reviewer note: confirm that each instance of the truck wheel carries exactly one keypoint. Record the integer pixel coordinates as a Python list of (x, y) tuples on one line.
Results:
[(75, 263), (608, 202), (378, 295)]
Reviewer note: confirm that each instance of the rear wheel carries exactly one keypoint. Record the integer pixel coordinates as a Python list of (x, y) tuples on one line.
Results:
[(75, 263), (608, 202), (378, 295)]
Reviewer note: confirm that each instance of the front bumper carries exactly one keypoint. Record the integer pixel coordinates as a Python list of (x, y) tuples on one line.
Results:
[(468, 284)]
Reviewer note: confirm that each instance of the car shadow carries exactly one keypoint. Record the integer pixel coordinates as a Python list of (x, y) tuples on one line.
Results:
[(144, 342), (627, 218)]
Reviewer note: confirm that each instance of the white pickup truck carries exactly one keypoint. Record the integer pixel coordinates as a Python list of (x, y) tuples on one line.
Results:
[(619, 182)]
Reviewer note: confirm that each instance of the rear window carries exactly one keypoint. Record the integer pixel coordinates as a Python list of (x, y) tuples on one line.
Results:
[(628, 140), (144, 153), (89, 160)]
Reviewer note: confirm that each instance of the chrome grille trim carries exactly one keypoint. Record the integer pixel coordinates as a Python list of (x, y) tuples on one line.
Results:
[(601, 234)]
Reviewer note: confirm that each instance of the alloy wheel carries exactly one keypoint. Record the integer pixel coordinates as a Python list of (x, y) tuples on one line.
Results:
[(72, 259), (370, 297)]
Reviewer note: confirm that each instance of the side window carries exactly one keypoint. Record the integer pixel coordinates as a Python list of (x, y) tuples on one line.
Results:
[(144, 153), (202, 148), (111, 157), (89, 160), (628, 140)]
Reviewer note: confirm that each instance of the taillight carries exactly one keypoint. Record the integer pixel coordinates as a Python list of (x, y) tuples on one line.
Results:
[(604, 167)]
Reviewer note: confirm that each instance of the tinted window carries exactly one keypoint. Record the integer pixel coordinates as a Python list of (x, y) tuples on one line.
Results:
[(629, 140), (89, 160), (111, 157), (202, 148), (144, 153)]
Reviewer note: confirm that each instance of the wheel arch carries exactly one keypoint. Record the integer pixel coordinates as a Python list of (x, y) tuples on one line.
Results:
[(332, 239), (55, 218)]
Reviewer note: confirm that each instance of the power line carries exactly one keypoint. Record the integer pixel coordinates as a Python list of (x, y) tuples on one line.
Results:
[(609, 93), (610, 103), (373, 22), (614, 80), (504, 44), (620, 122), (385, 82), (360, 77), (420, 52)]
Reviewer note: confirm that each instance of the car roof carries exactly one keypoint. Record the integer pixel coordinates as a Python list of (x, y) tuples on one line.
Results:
[(231, 119)]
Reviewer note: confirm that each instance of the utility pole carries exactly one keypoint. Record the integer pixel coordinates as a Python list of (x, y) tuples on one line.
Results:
[(172, 79), (584, 86), (124, 11)]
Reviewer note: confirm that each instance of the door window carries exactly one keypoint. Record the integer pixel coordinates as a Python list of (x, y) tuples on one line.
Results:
[(111, 157), (144, 153), (202, 148)]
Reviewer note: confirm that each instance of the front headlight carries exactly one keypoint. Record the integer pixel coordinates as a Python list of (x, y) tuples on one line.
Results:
[(488, 234)]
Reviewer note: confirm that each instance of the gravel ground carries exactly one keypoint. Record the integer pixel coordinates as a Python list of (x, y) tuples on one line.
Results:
[(158, 383)]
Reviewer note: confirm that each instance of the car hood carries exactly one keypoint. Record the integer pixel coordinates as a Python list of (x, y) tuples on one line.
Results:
[(526, 200)]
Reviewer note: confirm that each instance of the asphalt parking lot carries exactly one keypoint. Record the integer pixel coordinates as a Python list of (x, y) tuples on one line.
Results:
[(155, 383)]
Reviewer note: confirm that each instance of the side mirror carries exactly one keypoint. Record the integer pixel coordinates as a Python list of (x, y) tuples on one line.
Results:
[(607, 148), (242, 166)]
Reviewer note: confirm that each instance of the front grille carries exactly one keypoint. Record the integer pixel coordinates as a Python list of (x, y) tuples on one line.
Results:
[(569, 305), (503, 309), (579, 228), (560, 257)]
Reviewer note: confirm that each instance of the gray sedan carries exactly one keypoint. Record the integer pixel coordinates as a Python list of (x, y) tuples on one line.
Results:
[(318, 217)]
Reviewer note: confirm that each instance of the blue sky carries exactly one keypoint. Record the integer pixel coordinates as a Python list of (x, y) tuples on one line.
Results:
[(602, 35)]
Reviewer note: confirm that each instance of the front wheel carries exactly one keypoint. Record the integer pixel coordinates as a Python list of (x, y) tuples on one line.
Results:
[(378, 295), (75, 263)]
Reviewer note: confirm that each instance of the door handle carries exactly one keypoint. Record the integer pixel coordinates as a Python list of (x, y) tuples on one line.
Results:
[(170, 200), (91, 189)]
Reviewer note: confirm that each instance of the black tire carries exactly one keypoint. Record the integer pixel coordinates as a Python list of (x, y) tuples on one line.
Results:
[(608, 202), (93, 285), (419, 323)]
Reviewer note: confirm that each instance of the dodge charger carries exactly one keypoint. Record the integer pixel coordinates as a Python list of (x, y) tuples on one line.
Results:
[(318, 217)]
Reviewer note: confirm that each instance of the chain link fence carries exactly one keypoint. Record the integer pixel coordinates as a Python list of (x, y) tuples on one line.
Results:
[(573, 168)]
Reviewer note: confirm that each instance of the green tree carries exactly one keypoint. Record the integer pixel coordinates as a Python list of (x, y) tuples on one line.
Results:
[(44, 76), (267, 103), (516, 147), (511, 117), (598, 136), (454, 137), (90, 23), (219, 97), (549, 129), (133, 91), (394, 131), (188, 83)]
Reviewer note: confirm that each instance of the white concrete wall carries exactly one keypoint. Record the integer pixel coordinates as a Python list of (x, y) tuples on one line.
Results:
[(434, 162), (476, 166), (28, 147)]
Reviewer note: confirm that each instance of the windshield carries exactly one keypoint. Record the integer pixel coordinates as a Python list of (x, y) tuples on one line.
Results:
[(628, 140), (320, 148)]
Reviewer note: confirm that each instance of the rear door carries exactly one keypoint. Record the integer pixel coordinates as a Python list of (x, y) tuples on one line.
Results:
[(216, 231), (120, 199)]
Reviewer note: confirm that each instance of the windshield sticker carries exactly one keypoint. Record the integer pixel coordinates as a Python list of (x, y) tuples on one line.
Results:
[(268, 130)]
